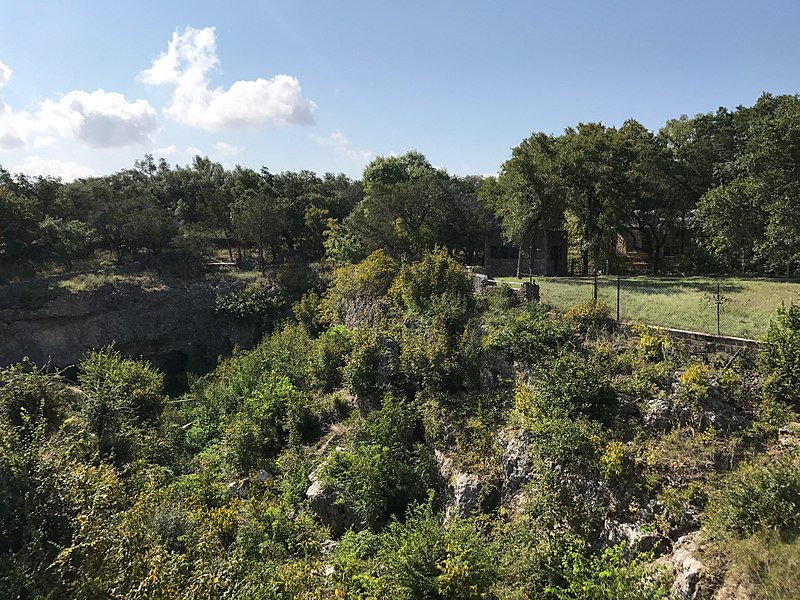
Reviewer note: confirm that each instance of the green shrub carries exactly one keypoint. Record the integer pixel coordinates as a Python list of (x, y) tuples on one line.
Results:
[(356, 296), (32, 400), (120, 400), (766, 564), (428, 559), (779, 359), (651, 342), (307, 311), (590, 316), (436, 286), (758, 496), (695, 382), (562, 440), (570, 384), (129, 386), (608, 575), (432, 360), (328, 357), (386, 469), (502, 297), (259, 302), (528, 334), (373, 366)]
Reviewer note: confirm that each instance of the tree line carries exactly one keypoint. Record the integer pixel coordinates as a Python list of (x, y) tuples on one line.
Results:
[(719, 188)]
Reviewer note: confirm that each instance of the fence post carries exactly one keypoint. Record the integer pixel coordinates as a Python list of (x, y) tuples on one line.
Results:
[(719, 301), (617, 297), (594, 291)]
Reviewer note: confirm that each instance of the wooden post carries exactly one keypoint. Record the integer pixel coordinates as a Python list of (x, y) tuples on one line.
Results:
[(617, 297), (719, 301), (594, 294)]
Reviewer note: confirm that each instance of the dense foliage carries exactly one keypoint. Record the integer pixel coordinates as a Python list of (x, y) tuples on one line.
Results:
[(716, 192), (429, 443)]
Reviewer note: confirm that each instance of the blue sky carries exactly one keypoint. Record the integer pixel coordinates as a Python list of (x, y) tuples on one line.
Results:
[(88, 87)]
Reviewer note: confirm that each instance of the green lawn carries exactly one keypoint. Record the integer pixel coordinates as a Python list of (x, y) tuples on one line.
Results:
[(682, 303)]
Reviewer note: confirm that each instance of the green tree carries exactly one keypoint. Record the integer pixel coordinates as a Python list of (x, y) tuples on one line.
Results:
[(528, 194), (405, 205), (256, 213), (593, 165)]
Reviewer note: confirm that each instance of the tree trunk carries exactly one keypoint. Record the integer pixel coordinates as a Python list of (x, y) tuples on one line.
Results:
[(585, 259), (519, 259), (228, 243)]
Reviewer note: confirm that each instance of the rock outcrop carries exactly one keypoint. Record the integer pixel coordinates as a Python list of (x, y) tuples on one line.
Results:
[(158, 322)]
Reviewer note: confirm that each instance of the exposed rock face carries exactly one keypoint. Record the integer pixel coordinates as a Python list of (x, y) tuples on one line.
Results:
[(518, 469), (466, 494), (152, 322), (637, 536), (691, 575), (665, 412)]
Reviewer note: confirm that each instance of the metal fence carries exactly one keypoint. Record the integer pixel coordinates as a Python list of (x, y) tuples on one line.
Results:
[(736, 307)]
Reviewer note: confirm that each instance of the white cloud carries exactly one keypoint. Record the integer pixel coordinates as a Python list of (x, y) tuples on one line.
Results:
[(100, 119), (341, 145), (171, 149), (65, 169), (12, 128), (41, 141), (226, 149), (5, 73), (194, 151), (185, 65)]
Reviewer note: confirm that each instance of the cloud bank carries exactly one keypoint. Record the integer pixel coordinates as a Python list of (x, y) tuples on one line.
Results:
[(190, 56), (101, 119)]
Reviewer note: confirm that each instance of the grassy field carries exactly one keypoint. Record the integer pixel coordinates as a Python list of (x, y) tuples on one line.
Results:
[(682, 303)]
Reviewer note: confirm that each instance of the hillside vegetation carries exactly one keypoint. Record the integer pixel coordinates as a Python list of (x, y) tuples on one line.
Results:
[(401, 437)]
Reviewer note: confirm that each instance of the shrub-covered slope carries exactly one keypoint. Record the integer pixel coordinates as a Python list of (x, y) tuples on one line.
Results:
[(404, 438)]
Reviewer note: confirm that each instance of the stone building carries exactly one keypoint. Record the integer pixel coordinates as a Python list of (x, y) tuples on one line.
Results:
[(546, 255)]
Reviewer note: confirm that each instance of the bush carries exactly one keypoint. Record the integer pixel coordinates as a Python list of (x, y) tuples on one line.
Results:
[(432, 360), (767, 564), (502, 297), (258, 302), (694, 382), (570, 384), (32, 400), (121, 397), (651, 342), (758, 496), (307, 312), (591, 316), (386, 470), (436, 287), (328, 357), (356, 296), (779, 359), (528, 334), (607, 575), (373, 365), (428, 559)]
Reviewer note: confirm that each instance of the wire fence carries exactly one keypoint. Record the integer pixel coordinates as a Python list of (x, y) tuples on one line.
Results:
[(736, 307)]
